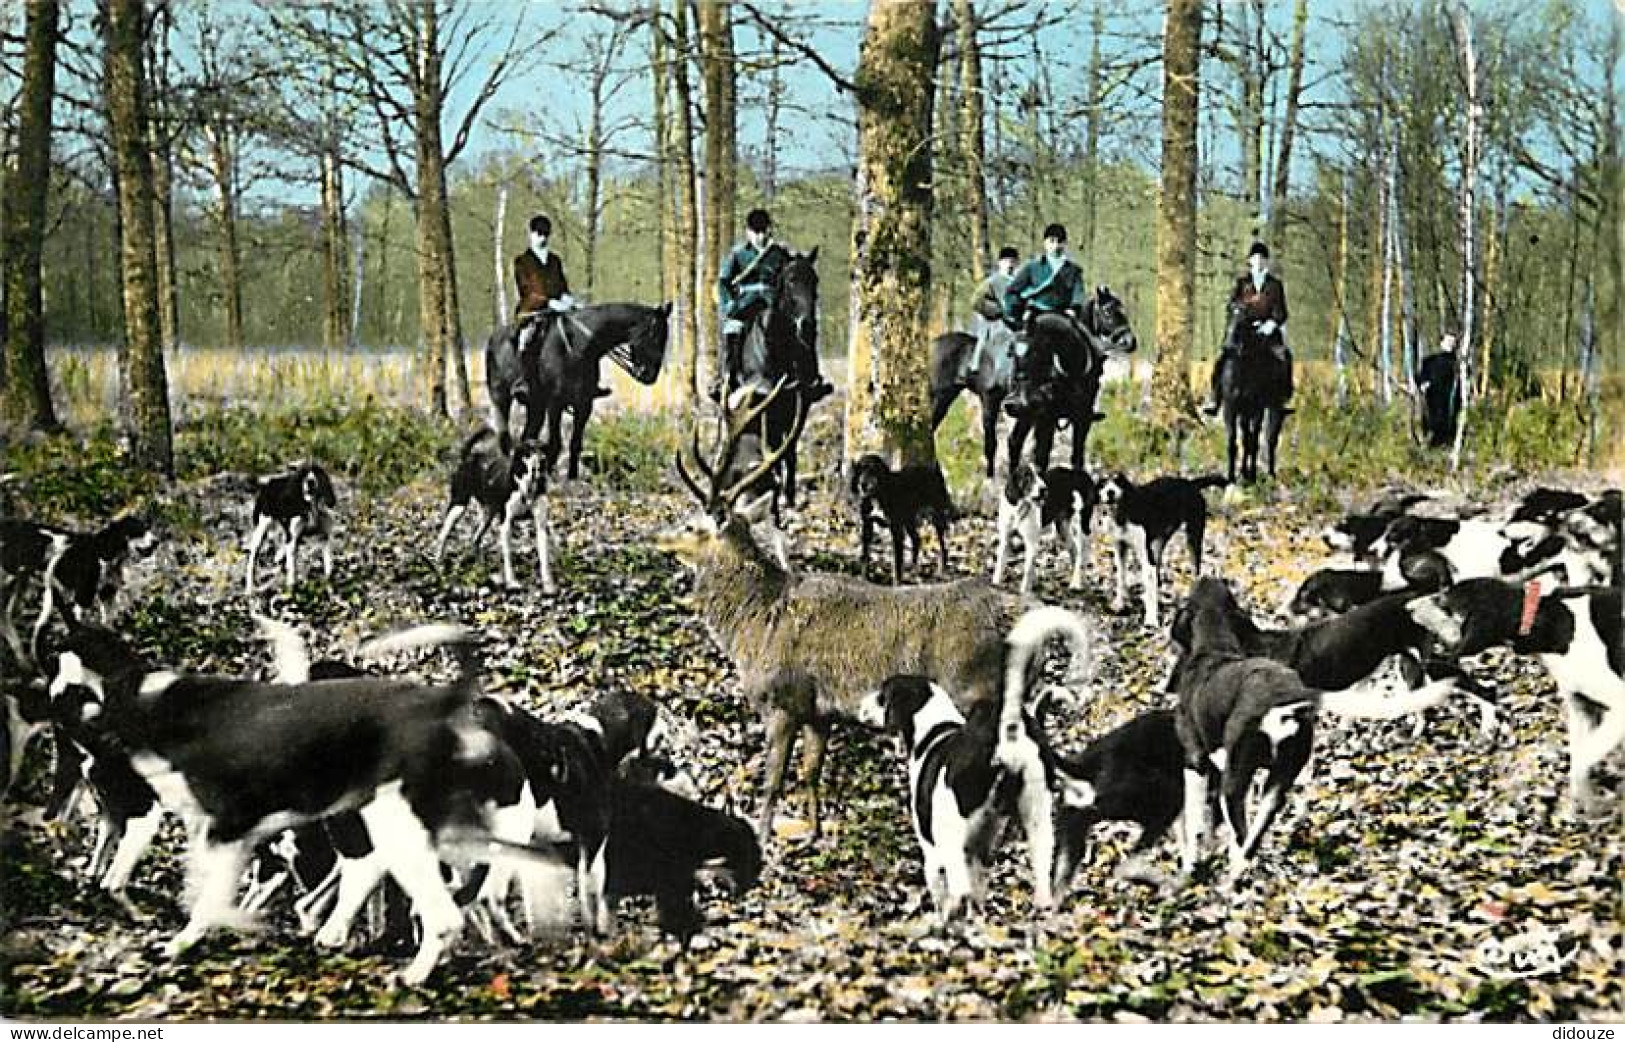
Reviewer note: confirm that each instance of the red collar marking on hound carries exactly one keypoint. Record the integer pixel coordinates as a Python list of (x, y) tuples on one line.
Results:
[(1531, 605)]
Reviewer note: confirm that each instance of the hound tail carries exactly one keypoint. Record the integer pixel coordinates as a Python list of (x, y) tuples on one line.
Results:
[(1027, 638), (1363, 704), (289, 655), (463, 642), (1210, 481)]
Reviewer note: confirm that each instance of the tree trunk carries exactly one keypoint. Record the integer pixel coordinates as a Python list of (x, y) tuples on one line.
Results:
[(1289, 122), (773, 105), (159, 132), (223, 165), (1612, 264), (595, 172), (1176, 216), (680, 348), (499, 227), (892, 273), (1250, 111), (1462, 22), (716, 51), (689, 297), (431, 201), (1340, 345), (456, 347), (1400, 232), (972, 137), (358, 236), (335, 251), (1494, 255), (1093, 99), (27, 384), (148, 392), (163, 208)]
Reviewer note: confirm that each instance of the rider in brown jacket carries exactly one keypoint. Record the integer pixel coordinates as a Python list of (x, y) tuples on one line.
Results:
[(1262, 299), (544, 292)]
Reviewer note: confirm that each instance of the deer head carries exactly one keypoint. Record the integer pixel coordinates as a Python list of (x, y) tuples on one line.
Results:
[(721, 491)]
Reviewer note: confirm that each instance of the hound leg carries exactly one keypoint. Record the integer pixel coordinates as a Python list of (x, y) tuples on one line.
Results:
[(357, 879), (541, 517), (216, 869), (255, 540), (592, 878), (1195, 820), (412, 861), (8, 625), (1077, 547), (486, 520), (454, 514), (1001, 551), (1579, 769), (295, 530), (505, 539), (1120, 551), (138, 836), (1148, 576), (940, 523)]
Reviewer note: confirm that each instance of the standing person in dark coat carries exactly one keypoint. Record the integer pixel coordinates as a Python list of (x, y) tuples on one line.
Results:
[(544, 292), (1437, 381), (1262, 298)]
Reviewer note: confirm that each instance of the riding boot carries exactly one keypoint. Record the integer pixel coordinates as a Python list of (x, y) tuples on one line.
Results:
[(817, 388), (1211, 407), (1017, 401), (727, 355), (1284, 353)]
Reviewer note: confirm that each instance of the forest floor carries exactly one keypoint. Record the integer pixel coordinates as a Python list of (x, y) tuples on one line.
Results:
[(1393, 885)]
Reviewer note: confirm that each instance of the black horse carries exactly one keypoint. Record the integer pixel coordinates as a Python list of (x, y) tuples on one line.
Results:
[(562, 373), (1253, 391), (1069, 394), (785, 332)]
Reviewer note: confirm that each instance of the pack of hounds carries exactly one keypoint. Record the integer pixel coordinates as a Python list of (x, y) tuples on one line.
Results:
[(319, 782)]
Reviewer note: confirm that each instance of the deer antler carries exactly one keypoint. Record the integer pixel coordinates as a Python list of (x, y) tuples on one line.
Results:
[(774, 454)]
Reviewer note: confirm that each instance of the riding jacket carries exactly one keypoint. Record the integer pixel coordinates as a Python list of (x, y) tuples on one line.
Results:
[(1258, 305), (748, 275), (1044, 286), (989, 300), (539, 283)]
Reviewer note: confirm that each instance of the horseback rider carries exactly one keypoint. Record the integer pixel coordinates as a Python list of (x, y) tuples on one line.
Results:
[(544, 292), (987, 307), (1261, 298), (1050, 282), (745, 289)]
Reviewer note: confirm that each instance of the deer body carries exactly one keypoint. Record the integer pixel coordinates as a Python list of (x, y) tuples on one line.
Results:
[(809, 647)]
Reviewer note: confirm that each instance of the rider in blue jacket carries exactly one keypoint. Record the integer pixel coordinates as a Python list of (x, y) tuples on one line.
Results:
[(1050, 282), (744, 290)]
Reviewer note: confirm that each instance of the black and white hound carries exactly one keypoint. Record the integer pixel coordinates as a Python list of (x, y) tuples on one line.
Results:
[(301, 503), (1060, 498), (1576, 634), (968, 777)]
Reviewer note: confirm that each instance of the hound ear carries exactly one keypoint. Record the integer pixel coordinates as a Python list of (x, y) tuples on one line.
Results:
[(666, 307), (812, 255), (757, 510)]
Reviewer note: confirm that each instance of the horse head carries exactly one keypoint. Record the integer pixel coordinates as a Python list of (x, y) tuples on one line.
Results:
[(643, 350), (1107, 321), (795, 297)]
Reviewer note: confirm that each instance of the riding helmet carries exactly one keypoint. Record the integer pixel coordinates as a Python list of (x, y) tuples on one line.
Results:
[(758, 220)]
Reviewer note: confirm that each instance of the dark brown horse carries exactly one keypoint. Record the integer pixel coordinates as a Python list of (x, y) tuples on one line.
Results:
[(1066, 360)]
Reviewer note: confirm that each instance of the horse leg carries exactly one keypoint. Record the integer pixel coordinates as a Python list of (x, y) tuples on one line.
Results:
[(555, 433), (1230, 442), (1043, 444), (789, 465), (1018, 438), (992, 402), (1249, 449), (580, 414), (1080, 439), (501, 403), (1274, 419)]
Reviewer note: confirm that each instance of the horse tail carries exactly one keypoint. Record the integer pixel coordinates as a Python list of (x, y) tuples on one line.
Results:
[(1210, 481)]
